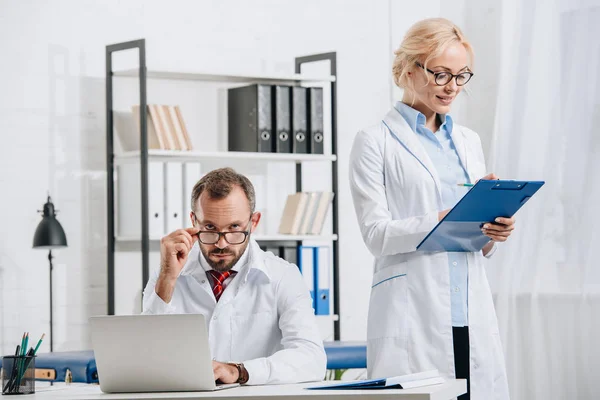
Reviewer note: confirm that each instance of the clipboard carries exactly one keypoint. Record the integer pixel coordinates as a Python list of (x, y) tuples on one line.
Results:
[(460, 229)]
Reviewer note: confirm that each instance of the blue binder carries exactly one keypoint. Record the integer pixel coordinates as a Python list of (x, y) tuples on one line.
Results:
[(313, 262), (460, 230)]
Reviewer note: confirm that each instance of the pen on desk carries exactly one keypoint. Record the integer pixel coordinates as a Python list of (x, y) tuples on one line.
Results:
[(37, 346), (14, 371), (465, 184), (24, 348), (22, 344)]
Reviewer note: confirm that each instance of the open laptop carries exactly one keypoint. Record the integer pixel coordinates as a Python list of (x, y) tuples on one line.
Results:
[(153, 353)]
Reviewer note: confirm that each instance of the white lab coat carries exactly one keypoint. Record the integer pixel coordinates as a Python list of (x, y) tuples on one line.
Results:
[(264, 317), (397, 195)]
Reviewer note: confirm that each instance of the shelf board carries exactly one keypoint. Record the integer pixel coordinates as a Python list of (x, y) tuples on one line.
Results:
[(275, 238), (235, 78), (259, 238), (178, 155)]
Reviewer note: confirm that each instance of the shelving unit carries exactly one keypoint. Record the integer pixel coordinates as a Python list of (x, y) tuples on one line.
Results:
[(144, 156)]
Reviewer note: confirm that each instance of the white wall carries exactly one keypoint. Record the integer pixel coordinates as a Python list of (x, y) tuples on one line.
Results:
[(52, 125)]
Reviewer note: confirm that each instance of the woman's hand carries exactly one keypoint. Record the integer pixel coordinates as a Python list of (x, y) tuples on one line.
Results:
[(489, 177), (499, 230)]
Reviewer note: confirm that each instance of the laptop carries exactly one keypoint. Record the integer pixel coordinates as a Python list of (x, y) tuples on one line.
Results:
[(153, 353)]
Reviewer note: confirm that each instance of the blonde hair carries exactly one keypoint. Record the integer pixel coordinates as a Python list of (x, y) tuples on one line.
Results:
[(425, 40)]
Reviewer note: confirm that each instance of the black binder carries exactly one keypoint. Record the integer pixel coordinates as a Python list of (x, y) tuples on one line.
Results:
[(288, 253), (282, 119), (250, 122), (299, 120), (315, 120)]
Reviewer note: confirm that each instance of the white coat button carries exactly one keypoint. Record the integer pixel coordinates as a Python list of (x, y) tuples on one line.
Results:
[(203, 281), (475, 366), (215, 318), (455, 263), (456, 289)]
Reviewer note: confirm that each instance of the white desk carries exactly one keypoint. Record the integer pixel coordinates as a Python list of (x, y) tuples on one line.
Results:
[(445, 391)]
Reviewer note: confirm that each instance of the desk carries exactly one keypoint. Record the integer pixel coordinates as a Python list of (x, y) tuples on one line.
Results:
[(445, 391)]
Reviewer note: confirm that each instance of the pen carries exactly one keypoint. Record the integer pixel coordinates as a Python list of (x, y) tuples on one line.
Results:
[(15, 368), (24, 348), (37, 346), (465, 184)]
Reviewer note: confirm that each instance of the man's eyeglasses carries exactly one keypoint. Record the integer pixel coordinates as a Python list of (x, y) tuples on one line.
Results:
[(231, 237), (442, 78)]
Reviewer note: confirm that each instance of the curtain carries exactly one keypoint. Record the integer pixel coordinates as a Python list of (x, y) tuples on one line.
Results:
[(545, 278)]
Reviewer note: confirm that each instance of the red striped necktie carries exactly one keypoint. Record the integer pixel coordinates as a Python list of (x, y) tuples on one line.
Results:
[(218, 279)]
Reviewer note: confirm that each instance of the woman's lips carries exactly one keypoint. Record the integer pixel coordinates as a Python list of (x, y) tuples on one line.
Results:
[(445, 99)]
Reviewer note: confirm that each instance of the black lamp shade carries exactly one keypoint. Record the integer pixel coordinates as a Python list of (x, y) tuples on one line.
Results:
[(49, 233)]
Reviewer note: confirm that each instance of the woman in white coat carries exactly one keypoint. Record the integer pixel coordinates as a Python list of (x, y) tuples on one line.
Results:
[(428, 310)]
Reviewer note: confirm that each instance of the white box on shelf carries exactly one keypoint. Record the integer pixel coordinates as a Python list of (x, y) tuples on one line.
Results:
[(129, 200)]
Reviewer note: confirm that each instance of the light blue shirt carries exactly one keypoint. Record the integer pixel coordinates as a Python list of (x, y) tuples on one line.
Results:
[(441, 150)]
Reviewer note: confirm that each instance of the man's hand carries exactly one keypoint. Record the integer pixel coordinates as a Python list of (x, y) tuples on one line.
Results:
[(174, 250), (225, 373), (499, 230)]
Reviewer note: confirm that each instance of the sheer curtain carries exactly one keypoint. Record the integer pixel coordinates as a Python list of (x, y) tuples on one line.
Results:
[(546, 278)]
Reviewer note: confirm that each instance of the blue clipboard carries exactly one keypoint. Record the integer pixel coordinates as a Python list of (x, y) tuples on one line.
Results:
[(460, 230)]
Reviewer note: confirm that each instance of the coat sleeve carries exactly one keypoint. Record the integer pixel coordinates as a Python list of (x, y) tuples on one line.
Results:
[(383, 235), (302, 356), (152, 303)]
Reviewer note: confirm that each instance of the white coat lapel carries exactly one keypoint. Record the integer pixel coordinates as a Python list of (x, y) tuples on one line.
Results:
[(403, 133)]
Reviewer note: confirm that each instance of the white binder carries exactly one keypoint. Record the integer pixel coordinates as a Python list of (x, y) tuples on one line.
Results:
[(129, 224), (174, 214)]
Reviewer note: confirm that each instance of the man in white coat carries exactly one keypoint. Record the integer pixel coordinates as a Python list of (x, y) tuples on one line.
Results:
[(261, 325)]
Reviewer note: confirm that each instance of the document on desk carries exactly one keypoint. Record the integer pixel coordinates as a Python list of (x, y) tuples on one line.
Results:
[(419, 379), (460, 229)]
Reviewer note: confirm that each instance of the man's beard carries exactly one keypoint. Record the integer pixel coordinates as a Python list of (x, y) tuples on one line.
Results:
[(223, 265)]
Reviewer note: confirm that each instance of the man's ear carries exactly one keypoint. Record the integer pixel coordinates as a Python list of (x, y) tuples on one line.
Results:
[(255, 220)]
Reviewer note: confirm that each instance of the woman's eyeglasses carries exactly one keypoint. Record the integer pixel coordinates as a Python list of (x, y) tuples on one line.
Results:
[(443, 78)]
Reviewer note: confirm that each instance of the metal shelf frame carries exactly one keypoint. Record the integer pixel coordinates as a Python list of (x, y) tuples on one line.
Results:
[(142, 74)]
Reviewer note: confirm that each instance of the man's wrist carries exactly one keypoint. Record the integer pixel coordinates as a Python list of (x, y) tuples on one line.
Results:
[(243, 375), (164, 288)]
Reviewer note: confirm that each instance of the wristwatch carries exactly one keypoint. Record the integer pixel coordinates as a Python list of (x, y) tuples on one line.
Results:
[(243, 375)]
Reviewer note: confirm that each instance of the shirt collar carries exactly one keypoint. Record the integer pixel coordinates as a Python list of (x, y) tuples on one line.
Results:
[(413, 117), (416, 118)]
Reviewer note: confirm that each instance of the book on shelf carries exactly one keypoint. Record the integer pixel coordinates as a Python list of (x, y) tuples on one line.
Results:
[(165, 128), (321, 212), (127, 126), (159, 127), (410, 381), (186, 136), (292, 213), (171, 141), (304, 213)]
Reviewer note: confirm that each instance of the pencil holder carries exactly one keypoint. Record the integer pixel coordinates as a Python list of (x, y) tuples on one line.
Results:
[(18, 374)]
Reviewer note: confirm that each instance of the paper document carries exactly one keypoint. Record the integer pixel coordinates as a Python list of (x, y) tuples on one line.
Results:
[(419, 379)]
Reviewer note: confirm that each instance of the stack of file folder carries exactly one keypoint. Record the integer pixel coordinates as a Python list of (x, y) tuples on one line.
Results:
[(276, 118)]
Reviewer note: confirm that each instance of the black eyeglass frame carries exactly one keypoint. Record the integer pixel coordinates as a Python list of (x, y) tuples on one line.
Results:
[(224, 234), (452, 76)]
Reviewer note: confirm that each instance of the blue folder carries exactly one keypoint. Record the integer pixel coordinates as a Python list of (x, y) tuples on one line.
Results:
[(460, 230)]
